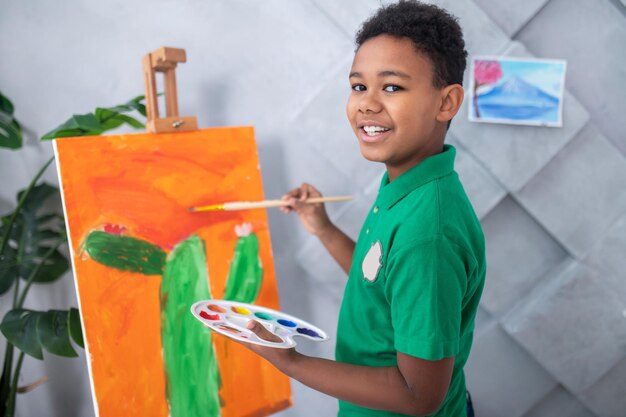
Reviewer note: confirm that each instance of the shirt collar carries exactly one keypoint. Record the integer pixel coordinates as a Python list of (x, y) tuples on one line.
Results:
[(429, 169)]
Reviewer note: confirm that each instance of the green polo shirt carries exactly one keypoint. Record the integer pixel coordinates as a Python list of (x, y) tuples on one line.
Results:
[(416, 278)]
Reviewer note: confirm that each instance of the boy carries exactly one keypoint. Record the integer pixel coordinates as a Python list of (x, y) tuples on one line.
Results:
[(417, 271)]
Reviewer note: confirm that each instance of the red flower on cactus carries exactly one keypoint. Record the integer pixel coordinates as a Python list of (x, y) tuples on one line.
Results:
[(114, 229)]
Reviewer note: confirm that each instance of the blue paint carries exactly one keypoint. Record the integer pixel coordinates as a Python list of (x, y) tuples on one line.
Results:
[(287, 323), (308, 332)]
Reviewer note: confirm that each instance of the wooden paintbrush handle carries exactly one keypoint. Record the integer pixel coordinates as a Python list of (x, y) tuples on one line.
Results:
[(248, 205)]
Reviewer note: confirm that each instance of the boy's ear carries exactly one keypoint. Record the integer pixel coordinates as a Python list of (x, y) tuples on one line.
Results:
[(451, 99)]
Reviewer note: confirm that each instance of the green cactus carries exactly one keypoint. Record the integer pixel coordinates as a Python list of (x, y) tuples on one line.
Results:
[(192, 373), (188, 354), (125, 253), (245, 276)]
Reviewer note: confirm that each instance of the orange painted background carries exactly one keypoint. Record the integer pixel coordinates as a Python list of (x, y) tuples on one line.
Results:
[(145, 183)]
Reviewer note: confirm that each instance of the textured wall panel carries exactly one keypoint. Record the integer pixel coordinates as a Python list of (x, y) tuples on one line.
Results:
[(483, 190), (483, 322), (348, 14), (573, 326), (511, 15), (499, 365), (606, 397), (589, 178), (591, 35), (608, 257), (318, 263), (559, 402), (519, 253)]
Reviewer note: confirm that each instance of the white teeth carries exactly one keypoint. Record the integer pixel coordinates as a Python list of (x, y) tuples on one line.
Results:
[(373, 130)]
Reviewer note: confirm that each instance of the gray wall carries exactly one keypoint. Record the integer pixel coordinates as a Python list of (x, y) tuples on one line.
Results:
[(551, 332)]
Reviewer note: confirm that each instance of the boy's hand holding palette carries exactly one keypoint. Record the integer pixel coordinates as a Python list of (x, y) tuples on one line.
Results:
[(230, 319)]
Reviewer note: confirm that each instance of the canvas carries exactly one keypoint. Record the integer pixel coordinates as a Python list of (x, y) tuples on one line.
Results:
[(517, 91), (141, 259)]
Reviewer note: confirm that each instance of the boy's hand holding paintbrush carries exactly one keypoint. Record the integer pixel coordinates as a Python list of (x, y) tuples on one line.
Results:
[(316, 221)]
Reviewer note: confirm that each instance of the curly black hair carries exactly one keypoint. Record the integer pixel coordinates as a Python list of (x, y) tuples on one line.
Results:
[(434, 32)]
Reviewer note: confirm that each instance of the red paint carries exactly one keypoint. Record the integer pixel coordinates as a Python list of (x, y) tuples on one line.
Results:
[(208, 316), (114, 229)]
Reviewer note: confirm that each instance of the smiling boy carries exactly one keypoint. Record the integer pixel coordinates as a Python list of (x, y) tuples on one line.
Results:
[(417, 271)]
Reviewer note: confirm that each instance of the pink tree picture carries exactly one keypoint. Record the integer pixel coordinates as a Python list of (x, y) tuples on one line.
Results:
[(485, 73)]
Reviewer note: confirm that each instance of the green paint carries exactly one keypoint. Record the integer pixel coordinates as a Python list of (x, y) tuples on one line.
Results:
[(125, 253), (190, 363), (246, 272), (263, 315)]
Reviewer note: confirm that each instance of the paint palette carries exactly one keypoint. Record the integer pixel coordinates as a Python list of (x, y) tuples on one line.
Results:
[(230, 319)]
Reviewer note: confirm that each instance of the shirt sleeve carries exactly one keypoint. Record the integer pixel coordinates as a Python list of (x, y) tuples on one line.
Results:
[(424, 287)]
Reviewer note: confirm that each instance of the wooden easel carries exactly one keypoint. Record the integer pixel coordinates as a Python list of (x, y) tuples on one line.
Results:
[(165, 60)]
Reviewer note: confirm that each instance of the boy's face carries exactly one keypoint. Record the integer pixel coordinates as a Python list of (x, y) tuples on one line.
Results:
[(393, 107)]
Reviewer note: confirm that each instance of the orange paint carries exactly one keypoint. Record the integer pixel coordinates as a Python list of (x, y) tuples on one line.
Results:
[(216, 308), (143, 184)]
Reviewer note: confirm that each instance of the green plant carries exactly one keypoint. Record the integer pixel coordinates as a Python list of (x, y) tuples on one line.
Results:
[(30, 238)]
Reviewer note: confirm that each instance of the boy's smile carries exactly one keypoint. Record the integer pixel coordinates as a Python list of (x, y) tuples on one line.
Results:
[(397, 114)]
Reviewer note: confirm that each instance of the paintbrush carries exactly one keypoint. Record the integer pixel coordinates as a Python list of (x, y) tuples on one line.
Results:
[(248, 205)]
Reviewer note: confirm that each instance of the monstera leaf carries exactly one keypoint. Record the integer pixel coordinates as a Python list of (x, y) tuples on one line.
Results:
[(101, 120), (10, 129), (31, 252), (32, 331)]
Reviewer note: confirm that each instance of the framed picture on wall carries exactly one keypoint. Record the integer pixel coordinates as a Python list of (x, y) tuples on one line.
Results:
[(524, 91)]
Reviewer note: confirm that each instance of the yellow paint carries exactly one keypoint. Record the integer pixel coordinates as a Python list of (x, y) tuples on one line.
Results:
[(241, 310)]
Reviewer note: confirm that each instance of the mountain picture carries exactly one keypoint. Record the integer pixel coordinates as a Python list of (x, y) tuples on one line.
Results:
[(517, 91)]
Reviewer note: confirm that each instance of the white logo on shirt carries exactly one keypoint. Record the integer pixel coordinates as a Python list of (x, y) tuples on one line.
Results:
[(372, 262)]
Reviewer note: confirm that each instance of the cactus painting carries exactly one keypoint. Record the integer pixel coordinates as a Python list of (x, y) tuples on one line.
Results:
[(140, 260)]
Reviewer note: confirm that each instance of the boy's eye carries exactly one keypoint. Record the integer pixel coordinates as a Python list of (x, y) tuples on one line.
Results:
[(392, 88), (358, 87)]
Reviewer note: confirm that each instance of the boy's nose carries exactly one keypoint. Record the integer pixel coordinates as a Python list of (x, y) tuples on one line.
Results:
[(369, 103)]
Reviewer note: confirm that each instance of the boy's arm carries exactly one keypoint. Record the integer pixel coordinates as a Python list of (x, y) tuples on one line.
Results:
[(414, 387), (316, 221)]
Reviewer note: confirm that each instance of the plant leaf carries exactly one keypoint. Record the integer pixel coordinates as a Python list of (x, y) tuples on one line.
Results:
[(19, 326), (54, 333), (38, 195), (110, 119), (76, 331), (77, 125), (53, 268), (6, 105), (125, 253), (31, 238), (130, 105), (10, 129), (130, 121), (8, 268), (30, 331), (101, 120)]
